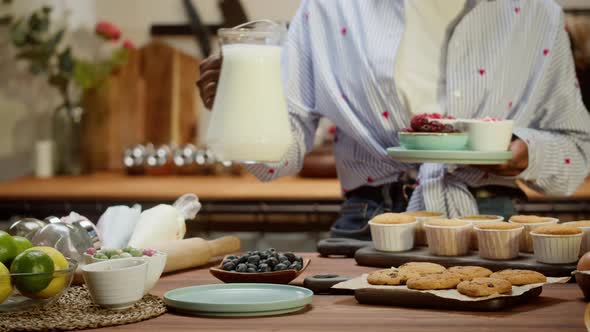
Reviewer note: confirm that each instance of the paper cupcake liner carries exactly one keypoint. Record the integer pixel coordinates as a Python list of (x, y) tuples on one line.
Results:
[(526, 241), (585, 246), (499, 244), (473, 243), (393, 237), (556, 249), (448, 241), (420, 235)]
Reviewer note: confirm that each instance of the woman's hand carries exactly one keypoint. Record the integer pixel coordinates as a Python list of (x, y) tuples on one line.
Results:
[(516, 165), (210, 69)]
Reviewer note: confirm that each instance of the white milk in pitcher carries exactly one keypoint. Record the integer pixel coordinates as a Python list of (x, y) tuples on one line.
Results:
[(249, 121)]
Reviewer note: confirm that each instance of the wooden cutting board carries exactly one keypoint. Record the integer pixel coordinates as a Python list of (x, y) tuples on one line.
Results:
[(369, 256), (424, 300)]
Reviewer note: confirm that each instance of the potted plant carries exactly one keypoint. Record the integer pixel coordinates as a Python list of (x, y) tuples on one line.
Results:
[(45, 50)]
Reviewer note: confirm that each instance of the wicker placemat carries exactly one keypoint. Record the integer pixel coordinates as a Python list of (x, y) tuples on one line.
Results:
[(75, 310)]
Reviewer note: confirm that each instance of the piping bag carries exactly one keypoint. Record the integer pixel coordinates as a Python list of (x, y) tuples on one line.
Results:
[(164, 223)]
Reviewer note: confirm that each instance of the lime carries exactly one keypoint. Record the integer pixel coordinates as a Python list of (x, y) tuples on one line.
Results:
[(7, 247), (59, 278), (5, 284), (21, 243), (32, 261), (59, 261)]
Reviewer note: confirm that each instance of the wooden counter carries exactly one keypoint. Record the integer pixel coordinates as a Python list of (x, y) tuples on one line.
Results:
[(560, 308), (168, 188), (108, 186)]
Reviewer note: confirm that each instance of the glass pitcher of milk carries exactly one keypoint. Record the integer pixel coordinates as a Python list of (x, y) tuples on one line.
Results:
[(249, 121)]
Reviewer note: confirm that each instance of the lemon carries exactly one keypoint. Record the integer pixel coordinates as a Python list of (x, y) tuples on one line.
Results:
[(59, 281), (7, 247), (5, 284), (21, 243), (32, 261)]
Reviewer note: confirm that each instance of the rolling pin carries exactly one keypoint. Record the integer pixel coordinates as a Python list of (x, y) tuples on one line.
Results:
[(193, 252)]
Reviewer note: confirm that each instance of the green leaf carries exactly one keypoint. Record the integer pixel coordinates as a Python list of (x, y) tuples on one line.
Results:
[(53, 42), (18, 34), (66, 61)]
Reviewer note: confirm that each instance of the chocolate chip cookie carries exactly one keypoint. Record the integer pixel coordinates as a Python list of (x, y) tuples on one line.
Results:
[(390, 277), (422, 268), (520, 277), (443, 280), (470, 272), (479, 287)]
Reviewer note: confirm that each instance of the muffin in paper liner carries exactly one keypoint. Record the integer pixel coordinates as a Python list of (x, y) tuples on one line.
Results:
[(421, 217), (556, 249), (498, 243), (393, 232), (526, 241), (448, 239)]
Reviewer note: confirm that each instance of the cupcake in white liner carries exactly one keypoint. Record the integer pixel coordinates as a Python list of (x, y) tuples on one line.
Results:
[(421, 217), (448, 237), (557, 244), (393, 232), (498, 240), (584, 225), (530, 223), (478, 220)]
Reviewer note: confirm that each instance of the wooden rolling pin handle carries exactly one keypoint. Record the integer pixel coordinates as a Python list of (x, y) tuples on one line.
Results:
[(224, 245)]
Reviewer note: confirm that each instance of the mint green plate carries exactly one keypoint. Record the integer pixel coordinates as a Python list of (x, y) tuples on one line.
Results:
[(433, 141), (449, 157), (238, 299)]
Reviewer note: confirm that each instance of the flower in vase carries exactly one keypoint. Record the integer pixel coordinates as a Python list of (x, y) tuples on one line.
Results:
[(108, 30)]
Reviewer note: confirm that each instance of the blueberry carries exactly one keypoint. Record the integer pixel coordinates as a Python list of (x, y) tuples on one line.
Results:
[(251, 266), (254, 259), (229, 266), (272, 261), (264, 268), (251, 270), (262, 261), (231, 257), (255, 253), (280, 267), (264, 254), (283, 258), (242, 267), (242, 259), (293, 266), (272, 249), (299, 259), (290, 256)]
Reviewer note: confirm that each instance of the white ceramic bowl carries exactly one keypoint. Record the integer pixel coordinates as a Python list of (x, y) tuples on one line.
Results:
[(488, 136), (498, 243), (474, 242), (393, 237), (116, 283), (526, 241), (556, 249), (156, 264)]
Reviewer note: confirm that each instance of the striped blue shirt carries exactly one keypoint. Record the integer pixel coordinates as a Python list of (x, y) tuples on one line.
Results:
[(505, 59)]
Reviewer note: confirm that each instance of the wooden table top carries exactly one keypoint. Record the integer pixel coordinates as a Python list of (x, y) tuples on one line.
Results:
[(114, 186), (560, 308)]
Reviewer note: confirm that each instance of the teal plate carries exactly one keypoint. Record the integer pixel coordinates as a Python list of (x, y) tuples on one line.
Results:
[(238, 299), (449, 157), (239, 314)]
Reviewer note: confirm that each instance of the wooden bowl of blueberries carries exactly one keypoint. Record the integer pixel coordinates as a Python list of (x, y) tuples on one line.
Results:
[(266, 266)]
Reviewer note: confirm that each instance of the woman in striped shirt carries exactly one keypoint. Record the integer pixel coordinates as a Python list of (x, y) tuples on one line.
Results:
[(369, 66)]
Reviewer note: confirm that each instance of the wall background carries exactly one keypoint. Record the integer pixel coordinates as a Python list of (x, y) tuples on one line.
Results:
[(26, 101)]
